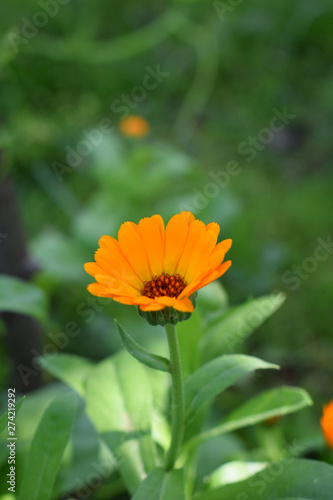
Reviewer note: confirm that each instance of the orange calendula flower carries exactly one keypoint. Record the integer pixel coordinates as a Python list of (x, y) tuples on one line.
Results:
[(157, 268), (134, 126), (326, 423)]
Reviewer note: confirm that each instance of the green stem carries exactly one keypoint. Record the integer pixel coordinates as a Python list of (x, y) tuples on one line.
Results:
[(178, 406)]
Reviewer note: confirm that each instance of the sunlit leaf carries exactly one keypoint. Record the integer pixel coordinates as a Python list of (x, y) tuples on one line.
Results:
[(290, 479), (234, 472)]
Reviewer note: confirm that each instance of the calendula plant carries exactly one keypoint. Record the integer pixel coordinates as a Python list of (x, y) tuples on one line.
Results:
[(139, 421), (160, 269)]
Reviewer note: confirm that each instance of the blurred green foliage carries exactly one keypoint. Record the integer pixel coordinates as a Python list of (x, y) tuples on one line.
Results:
[(226, 73), (109, 422)]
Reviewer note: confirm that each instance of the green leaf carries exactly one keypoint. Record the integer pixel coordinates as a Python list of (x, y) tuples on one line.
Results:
[(291, 479), (141, 354), (235, 471), (162, 485), (119, 402), (138, 405), (47, 448), (4, 417), (229, 330), (70, 369), (272, 403), (86, 455), (189, 334), (217, 375), (22, 297), (34, 407)]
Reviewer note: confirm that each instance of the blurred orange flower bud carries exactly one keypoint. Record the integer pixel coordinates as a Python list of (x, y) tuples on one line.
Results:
[(134, 126), (326, 423)]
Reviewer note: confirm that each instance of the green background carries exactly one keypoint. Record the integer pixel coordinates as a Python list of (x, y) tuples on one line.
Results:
[(228, 67)]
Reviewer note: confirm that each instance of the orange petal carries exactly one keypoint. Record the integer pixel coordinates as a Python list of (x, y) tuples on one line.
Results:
[(117, 287), (134, 251), (213, 226), (184, 305), (124, 300), (166, 301), (110, 258), (217, 255), (189, 217), (195, 232), (199, 260), (107, 241), (151, 230), (92, 268), (214, 275), (211, 276), (153, 306), (142, 300), (175, 239), (98, 290)]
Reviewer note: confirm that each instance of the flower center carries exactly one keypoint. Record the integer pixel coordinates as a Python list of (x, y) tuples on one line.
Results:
[(164, 285)]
